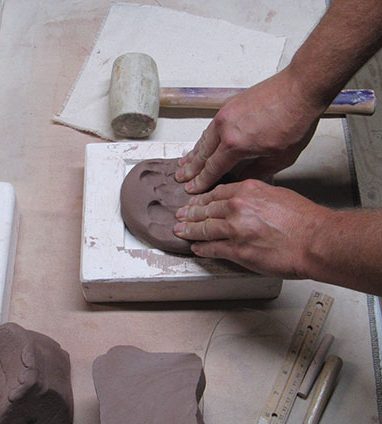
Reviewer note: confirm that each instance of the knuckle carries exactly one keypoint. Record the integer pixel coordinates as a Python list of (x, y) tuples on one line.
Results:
[(197, 199), (205, 227), (208, 211), (201, 150), (251, 185), (248, 185), (221, 118), (247, 255), (201, 139), (231, 143), (218, 190), (202, 155), (191, 212), (235, 204), (211, 169)]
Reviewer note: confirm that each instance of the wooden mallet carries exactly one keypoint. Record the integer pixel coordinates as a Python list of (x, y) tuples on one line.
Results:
[(135, 97)]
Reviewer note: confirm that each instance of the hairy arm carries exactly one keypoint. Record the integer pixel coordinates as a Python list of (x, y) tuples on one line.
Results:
[(272, 122), (346, 250), (275, 231), (347, 36)]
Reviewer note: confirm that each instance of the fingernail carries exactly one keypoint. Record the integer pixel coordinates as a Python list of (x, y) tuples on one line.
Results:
[(180, 228), (182, 161), (194, 248), (182, 212), (179, 174), (190, 186)]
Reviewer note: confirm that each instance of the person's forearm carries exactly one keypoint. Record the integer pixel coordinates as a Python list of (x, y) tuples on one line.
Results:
[(346, 250), (348, 35)]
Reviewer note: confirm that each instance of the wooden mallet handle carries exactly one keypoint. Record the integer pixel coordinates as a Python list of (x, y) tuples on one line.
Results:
[(354, 102)]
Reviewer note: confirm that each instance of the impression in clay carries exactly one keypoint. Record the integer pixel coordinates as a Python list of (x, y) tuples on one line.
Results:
[(150, 197), (134, 386), (35, 385)]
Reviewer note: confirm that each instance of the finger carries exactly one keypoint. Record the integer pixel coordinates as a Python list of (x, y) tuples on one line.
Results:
[(194, 162), (222, 249), (219, 193), (209, 229), (197, 213), (214, 168), (180, 171), (202, 151), (187, 158)]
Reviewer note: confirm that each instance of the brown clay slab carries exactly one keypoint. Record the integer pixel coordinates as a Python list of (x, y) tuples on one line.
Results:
[(134, 386), (35, 385)]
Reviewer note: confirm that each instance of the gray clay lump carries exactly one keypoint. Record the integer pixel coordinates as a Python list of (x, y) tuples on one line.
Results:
[(150, 197), (35, 385), (134, 386)]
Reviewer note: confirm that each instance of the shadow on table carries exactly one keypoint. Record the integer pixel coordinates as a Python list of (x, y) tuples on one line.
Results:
[(329, 193), (229, 305)]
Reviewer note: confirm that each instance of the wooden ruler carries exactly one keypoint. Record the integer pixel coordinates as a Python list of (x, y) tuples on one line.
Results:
[(298, 358)]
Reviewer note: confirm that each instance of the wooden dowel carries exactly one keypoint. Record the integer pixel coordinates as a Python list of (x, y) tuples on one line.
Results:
[(323, 389), (315, 366)]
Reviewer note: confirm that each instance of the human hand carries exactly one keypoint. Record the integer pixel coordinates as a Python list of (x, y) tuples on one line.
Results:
[(264, 228), (270, 124)]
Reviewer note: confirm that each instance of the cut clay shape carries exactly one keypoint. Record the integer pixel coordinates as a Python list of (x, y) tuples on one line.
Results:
[(150, 197), (134, 386), (35, 386)]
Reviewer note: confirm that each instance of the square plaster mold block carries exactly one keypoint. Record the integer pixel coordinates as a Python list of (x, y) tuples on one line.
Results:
[(9, 225), (115, 266)]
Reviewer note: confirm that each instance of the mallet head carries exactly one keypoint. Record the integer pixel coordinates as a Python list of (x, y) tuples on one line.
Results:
[(134, 95)]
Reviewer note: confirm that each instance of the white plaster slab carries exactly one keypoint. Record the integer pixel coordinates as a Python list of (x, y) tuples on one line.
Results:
[(189, 51), (8, 239), (117, 267)]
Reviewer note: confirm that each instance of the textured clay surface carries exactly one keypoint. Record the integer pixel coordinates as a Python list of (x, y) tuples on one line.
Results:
[(150, 197), (35, 385), (134, 386)]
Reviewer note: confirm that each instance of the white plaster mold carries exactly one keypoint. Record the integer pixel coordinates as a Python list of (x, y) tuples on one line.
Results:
[(115, 266)]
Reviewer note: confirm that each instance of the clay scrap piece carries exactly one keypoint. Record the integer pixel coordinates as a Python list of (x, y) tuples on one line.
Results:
[(35, 386), (134, 386), (150, 197)]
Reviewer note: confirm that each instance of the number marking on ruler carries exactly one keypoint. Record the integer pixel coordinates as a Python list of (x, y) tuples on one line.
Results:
[(297, 360)]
